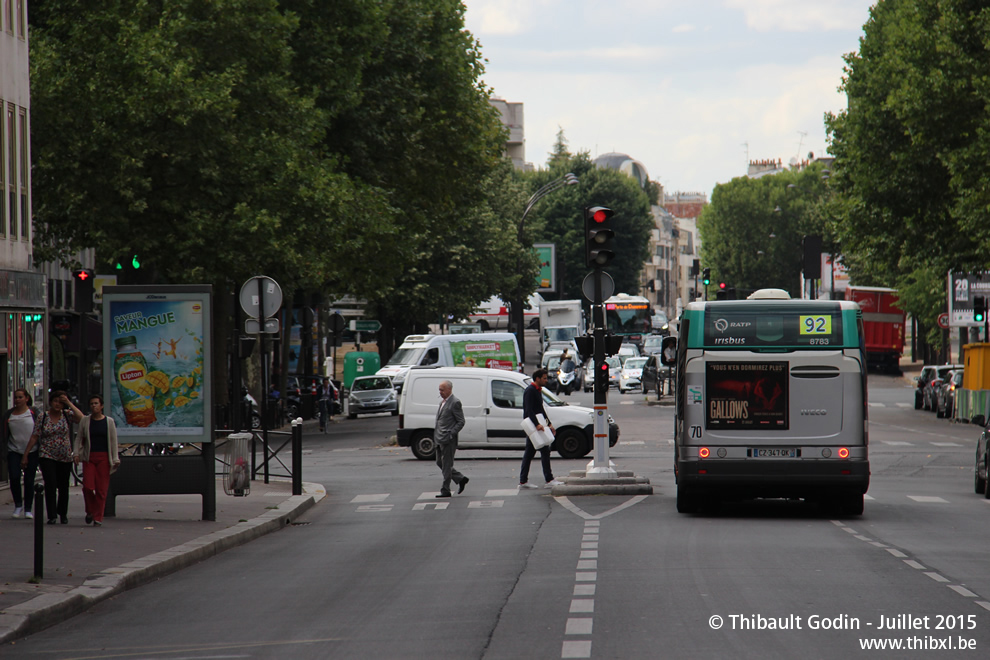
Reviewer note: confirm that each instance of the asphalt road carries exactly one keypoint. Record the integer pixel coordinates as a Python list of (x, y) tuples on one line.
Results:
[(382, 569)]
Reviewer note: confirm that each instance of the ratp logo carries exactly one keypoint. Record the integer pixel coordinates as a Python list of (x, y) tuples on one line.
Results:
[(721, 325)]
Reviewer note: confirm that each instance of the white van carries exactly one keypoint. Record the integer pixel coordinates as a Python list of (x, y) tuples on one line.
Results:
[(495, 350), (493, 402)]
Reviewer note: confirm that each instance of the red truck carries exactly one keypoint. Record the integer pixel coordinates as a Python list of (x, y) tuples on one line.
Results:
[(883, 326)]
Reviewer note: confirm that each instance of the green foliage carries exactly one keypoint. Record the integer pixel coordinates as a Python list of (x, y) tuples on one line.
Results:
[(751, 232), (911, 150), (559, 219)]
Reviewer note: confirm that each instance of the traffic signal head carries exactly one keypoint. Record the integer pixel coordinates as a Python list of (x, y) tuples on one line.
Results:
[(721, 286), (83, 297), (133, 262), (979, 309), (706, 277), (598, 235)]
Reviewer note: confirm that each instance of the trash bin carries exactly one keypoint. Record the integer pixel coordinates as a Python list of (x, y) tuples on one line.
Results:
[(237, 465), (360, 363)]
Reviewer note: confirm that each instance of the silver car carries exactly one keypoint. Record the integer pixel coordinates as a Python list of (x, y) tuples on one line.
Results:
[(372, 394)]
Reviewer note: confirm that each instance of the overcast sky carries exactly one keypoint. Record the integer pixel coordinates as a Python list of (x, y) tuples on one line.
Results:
[(693, 89)]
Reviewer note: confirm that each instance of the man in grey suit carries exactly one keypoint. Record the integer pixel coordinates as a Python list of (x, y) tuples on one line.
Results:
[(450, 420)]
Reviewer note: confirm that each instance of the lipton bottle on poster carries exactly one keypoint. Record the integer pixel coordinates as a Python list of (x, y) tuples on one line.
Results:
[(137, 395)]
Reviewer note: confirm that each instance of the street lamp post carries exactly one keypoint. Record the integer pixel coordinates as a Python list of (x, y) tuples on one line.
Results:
[(516, 305)]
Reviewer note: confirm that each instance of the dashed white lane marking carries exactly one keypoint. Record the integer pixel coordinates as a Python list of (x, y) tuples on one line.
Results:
[(904, 405), (877, 405), (928, 499), (896, 553), (587, 565), (437, 506), (982, 603), (963, 591), (626, 403), (935, 576), (582, 605), (378, 497), (946, 444), (584, 589), (914, 564), (486, 504), (576, 650), (502, 492), (584, 576), (634, 442), (868, 497), (579, 626), (897, 442)]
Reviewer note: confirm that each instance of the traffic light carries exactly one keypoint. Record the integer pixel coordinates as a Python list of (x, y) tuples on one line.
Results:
[(706, 277), (83, 297), (133, 262), (598, 235), (979, 309), (723, 291)]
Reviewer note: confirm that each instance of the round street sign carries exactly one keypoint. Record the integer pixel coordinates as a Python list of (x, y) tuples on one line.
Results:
[(943, 321), (249, 296), (588, 286)]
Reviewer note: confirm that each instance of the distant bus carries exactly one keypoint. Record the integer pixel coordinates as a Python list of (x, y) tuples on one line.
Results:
[(770, 401), (629, 316)]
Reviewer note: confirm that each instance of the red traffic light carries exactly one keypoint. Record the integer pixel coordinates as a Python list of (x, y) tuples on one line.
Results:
[(82, 275), (721, 285), (601, 215)]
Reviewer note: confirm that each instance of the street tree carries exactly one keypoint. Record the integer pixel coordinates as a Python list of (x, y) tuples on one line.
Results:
[(559, 219), (911, 150)]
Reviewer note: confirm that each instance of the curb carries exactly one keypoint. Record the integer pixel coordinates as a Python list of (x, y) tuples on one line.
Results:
[(49, 609)]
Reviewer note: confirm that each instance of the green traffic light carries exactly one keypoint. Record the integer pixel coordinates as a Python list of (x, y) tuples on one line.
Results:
[(135, 262)]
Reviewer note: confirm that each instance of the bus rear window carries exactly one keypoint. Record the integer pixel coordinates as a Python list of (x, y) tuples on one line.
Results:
[(751, 326)]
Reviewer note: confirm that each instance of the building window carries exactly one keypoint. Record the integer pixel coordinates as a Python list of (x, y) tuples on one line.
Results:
[(21, 19), (8, 12), (3, 181), (25, 170), (12, 170)]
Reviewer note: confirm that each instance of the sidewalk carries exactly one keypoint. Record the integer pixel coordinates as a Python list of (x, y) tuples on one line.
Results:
[(150, 537)]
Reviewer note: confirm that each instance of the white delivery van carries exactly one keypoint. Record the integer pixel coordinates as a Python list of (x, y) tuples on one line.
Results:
[(493, 403), (494, 350)]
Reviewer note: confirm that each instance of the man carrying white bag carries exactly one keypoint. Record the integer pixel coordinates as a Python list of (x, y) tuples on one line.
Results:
[(539, 431)]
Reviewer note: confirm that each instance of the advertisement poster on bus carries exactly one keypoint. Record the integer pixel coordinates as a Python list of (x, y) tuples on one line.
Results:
[(491, 354), (156, 347), (746, 395)]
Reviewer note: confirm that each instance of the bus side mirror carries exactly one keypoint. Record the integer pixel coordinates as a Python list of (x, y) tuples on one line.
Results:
[(668, 351)]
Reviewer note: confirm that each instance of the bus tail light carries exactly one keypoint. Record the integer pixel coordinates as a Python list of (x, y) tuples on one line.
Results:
[(704, 453), (843, 452)]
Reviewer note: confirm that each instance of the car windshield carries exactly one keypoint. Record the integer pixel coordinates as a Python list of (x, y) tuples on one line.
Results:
[(405, 357), (553, 363), (365, 384), (613, 363), (550, 399), (957, 378), (653, 342), (635, 363)]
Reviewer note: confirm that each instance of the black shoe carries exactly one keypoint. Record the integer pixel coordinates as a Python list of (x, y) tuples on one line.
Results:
[(65, 521), (460, 489), (89, 519), (51, 521), (444, 493)]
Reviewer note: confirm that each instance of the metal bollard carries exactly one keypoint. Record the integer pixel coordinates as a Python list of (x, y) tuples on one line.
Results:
[(39, 531), (297, 457)]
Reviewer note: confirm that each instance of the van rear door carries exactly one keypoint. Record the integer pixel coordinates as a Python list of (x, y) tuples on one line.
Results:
[(505, 411)]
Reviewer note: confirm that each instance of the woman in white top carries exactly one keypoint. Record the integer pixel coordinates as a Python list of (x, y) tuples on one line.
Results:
[(17, 427)]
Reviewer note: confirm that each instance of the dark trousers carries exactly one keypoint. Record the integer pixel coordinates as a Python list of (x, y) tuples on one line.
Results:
[(528, 455), (326, 410), (56, 475), (445, 461), (14, 470)]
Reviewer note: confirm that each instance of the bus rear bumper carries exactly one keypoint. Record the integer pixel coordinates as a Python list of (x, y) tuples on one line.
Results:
[(746, 479)]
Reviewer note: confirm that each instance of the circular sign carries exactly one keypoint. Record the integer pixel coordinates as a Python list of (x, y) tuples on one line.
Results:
[(588, 286), (943, 321), (249, 297), (336, 323)]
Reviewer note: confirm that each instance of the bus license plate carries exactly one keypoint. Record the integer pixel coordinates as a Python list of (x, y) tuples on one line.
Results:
[(774, 453)]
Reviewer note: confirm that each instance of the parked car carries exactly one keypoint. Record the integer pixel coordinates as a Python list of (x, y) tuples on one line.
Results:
[(632, 371), (614, 369), (655, 374), (946, 396), (372, 394), (924, 395), (982, 467)]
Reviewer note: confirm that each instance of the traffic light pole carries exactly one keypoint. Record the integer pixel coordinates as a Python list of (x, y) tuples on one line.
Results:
[(601, 465)]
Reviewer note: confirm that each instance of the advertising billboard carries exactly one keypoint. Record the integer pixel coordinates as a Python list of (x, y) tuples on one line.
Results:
[(157, 381), (746, 395)]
